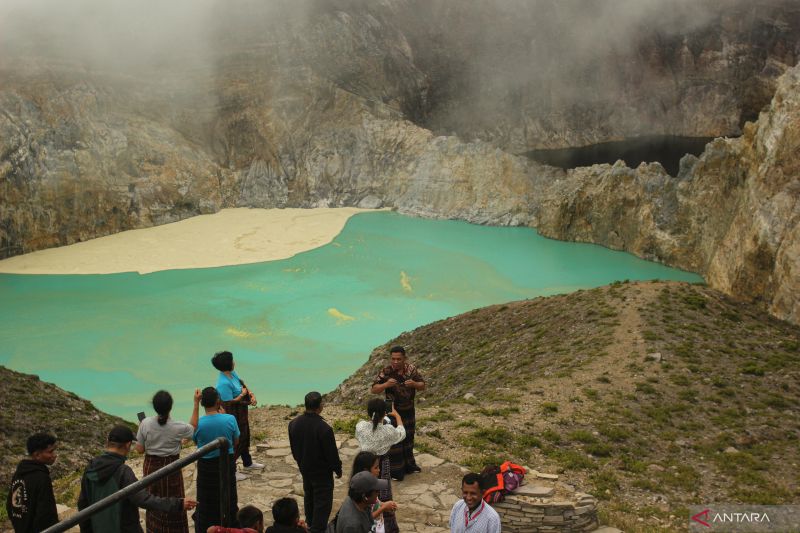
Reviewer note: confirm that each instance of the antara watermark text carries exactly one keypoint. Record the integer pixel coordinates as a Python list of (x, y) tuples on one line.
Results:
[(745, 518)]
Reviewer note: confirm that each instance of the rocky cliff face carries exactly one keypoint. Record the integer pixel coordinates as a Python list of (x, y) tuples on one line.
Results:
[(731, 214), (342, 102)]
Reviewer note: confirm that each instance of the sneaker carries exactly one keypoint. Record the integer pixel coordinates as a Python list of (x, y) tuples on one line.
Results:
[(413, 469), (241, 477), (253, 466)]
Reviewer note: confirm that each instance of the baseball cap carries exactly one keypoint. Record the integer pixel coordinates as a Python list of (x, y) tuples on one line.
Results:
[(366, 482), (120, 435)]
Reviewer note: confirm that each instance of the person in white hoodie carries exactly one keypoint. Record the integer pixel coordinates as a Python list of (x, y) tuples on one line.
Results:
[(377, 435)]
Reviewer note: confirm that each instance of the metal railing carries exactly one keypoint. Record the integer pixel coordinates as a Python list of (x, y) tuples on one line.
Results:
[(220, 444)]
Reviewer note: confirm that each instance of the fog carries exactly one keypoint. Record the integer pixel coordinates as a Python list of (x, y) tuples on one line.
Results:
[(472, 52), (581, 46), (124, 35), (107, 33)]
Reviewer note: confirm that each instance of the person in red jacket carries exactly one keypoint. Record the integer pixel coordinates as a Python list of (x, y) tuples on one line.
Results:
[(31, 505)]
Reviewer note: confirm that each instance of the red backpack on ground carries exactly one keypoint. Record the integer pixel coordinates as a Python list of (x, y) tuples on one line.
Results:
[(496, 481)]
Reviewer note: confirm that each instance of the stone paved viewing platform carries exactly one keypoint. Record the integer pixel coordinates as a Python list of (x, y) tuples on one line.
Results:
[(542, 504)]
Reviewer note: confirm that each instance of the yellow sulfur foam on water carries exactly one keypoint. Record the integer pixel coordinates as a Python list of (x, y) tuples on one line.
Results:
[(242, 334), (405, 281), (338, 315), (257, 287)]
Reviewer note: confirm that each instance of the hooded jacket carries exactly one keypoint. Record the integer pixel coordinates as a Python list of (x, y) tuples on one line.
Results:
[(30, 503), (99, 471)]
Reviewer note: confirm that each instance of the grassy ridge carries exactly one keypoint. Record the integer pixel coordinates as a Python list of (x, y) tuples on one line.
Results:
[(653, 396), (30, 405)]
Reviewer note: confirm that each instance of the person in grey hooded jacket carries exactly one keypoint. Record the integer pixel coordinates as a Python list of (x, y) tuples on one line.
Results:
[(108, 473)]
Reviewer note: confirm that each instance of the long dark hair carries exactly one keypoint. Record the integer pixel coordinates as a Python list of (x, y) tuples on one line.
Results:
[(363, 462), (376, 408), (162, 403)]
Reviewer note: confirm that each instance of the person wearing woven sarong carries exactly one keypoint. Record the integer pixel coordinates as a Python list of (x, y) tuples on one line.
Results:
[(210, 427), (378, 435), (236, 400), (159, 438), (400, 381)]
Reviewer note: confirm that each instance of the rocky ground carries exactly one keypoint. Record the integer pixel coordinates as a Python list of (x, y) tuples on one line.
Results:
[(424, 499)]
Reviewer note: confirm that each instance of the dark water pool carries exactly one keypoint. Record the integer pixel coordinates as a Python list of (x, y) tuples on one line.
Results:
[(666, 149)]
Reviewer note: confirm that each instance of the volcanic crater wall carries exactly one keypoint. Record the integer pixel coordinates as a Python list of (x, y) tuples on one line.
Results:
[(420, 105)]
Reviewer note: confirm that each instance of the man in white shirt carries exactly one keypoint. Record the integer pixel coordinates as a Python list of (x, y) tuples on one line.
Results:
[(472, 514)]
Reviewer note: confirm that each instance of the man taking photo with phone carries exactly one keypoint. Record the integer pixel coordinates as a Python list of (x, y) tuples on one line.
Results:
[(400, 381)]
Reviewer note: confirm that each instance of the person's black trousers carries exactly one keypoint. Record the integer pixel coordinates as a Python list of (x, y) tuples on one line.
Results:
[(208, 495), (318, 500)]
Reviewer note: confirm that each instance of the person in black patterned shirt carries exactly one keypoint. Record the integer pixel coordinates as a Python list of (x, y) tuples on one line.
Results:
[(400, 381)]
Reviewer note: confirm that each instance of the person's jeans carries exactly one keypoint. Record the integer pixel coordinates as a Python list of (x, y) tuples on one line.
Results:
[(318, 501)]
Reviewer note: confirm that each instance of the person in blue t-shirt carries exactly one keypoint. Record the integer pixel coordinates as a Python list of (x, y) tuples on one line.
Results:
[(213, 425), (236, 399)]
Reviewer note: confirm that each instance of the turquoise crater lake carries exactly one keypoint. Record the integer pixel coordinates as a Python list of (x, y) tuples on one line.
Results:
[(294, 325)]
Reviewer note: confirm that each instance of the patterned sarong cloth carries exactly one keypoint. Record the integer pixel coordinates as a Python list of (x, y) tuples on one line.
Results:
[(170, 486), (401, 455), (240, 411), (389, 518), (208, 495)]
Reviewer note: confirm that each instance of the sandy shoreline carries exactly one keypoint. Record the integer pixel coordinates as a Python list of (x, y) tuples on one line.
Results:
[(229, 237)]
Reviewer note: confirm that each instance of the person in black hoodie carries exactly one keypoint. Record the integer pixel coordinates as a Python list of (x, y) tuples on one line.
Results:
[(314, 449), (30, 503), (105, 475)]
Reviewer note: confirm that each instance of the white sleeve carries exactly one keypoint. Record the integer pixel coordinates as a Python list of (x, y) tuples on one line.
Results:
[(399, 434)]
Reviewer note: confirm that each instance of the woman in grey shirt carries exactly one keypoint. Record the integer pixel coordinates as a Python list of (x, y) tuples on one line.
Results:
[(160, 438)]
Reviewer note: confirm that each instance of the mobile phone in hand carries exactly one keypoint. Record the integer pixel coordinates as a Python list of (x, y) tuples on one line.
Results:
[(140, 415), (389, 408)]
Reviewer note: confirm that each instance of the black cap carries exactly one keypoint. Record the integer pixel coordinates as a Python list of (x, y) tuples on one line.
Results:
[(120, 435)]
